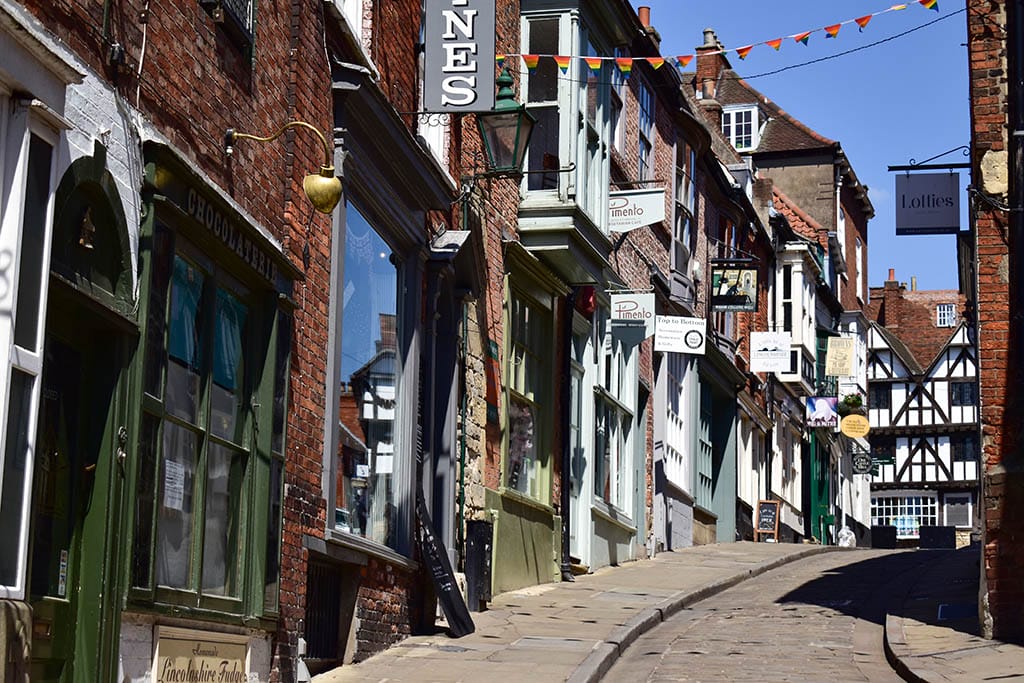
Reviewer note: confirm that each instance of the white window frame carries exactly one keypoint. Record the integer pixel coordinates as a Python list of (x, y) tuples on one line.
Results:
[(958, 497), (921, 505), (615, 389), (945, 315), (594, 169), (646, 113), (562, 105), (17, 125), (685, 204), (730, 126), (618, 104)]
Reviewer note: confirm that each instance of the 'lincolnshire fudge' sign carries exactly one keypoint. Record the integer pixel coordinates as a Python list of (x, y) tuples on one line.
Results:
[(184, 656)]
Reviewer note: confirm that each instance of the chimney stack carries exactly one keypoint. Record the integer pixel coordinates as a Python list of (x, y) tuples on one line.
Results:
[(892, 295)]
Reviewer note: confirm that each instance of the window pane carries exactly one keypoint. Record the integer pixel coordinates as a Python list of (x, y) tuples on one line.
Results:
[(543, 82), (272, 566), (174, 523), (228, 367), (145, 501), (523, 469), (225, 471), (284, 339), (364, 484), (542, 153), (156, 323), (15, 460), (33, 236), (185, 342)]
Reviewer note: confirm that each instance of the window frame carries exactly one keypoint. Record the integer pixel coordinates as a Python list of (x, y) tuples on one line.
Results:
[(615, 389), (18, 119), (963, 394), (876, 391), (922, 506), (646, 113), (730, 127), (945, 315)]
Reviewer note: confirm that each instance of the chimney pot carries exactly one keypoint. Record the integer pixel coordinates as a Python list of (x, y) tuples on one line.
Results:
[(892, 274), (645, 16), (710, 39)]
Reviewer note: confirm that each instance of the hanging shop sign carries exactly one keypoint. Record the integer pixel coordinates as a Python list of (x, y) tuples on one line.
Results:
[(676, 334), (458, 74), (840, 355), (821, 411), (734, 289), (632, 316), (927, 203), (631, 209), (855, 426), (770, 351)]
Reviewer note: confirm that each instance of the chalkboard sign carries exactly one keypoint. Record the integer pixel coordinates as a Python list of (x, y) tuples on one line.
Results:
[(448, 594), (767, 518)]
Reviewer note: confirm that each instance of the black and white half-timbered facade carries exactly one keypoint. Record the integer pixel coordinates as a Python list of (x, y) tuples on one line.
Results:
[(923, 410)]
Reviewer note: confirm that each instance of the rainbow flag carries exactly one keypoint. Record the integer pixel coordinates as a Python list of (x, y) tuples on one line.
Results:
[(683, 60), (594, 63), (896, 8), (930, 4), (562, 62), (531, 62), (625, 65), (499, 60), (802, 37), (776, 43), (742, 52), (656, 62), (863, 21), (833, 30)]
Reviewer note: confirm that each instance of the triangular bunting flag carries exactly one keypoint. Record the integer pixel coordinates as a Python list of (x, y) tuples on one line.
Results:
[(802, 37), (594, 63), (625, 65), (832, 30), (742, 52), (656, 62), (776, 44), (531, 62), (930, 4), (499, 60), (863, 21), (896, 8), (562, 62), (683, 60)]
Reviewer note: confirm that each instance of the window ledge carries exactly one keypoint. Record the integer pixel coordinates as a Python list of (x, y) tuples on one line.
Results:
[(613, 515), (526, 500), (344, 547)]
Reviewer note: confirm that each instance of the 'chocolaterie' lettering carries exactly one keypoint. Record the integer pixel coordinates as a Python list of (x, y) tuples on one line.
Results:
[(221, 227)]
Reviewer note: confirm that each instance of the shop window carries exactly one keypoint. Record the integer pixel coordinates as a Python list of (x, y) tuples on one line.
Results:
[(365, 478), (199, 431), (28, 173), (529, 379), (907, 513), (615, 396)]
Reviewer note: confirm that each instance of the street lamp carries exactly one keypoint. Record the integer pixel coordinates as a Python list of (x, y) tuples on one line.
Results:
[(324, 188), (505, 130)]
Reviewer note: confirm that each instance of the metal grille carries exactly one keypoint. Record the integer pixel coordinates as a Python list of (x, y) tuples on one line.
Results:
[(323, 598)]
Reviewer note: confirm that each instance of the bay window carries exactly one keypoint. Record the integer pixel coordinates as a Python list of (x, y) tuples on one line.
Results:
[(541, 36), (614, 404)]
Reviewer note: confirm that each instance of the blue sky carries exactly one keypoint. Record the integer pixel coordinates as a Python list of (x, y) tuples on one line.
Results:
[(906, 98)]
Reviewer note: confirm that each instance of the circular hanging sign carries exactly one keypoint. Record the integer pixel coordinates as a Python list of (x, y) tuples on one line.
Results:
[(862, 463), (855, 426)]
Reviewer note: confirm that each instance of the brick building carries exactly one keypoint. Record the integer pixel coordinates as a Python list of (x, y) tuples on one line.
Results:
[(994, 35)]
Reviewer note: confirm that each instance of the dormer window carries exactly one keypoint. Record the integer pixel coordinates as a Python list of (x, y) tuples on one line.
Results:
[(945, 315), (739, 126)]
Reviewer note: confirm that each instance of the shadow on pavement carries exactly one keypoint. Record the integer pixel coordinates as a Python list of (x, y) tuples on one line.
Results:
[(936, 587)]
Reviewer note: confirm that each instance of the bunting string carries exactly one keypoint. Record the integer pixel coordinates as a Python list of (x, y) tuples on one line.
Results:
[(625, 64)]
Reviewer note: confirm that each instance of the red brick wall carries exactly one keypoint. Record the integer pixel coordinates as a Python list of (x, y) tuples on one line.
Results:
[(1003, 483), (383, 609)]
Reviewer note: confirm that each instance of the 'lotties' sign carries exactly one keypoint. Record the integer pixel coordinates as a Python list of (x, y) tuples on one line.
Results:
[(927, 203), (458, 74)]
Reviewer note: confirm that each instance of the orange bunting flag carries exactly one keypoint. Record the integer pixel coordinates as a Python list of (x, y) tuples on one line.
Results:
[(896, 8), (863, 21), (930, 4), (802, 37), (531, 62), (655, 62), (832, 30), (742, 52), (499, 60), (562, 62), (777, 43), (625, 65), (594, 63), (683, 60)]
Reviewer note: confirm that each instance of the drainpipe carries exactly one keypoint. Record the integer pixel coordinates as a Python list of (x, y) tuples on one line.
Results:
[(460, 522), (564, 504)]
